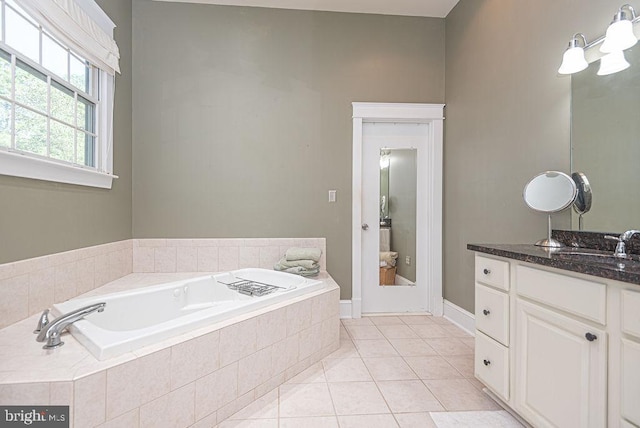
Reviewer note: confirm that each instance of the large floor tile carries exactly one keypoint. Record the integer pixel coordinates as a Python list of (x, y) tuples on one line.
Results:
[(311, 399), (316, 422), (469, 341), (417, 319), (386, 320), (357, 398), (459, 395), (415, 420), (462, 363), (409, 396), (456, 331), (249, 423), (313, 374), (432, 367), (389, 368), (412, 347), (375, 348), (358, 332), (356, 321), (430, 331), (367, 421), (449, 346), (265, 407), (347, 349), (486, 419), (346, 370), (397, 331)]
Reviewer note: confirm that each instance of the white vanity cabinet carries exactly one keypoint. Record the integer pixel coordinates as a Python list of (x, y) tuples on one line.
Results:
[(630, 357), (563, 348)]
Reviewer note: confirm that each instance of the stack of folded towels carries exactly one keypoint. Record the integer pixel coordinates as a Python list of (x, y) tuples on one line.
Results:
[(301, 261)]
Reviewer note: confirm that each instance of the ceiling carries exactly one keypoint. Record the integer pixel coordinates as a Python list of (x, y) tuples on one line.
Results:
[(429, 8)]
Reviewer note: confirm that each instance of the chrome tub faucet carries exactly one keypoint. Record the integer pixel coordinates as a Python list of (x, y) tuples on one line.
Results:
[(51, 331)]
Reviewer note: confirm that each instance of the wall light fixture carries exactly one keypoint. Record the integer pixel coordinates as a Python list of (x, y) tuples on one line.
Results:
[(573, 59), (620, 34)]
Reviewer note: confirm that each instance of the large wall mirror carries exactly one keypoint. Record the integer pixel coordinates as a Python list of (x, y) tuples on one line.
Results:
[(605, 144)]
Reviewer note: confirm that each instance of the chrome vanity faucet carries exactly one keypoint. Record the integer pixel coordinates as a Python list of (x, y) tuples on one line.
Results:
[(51, 332), (621, 250)]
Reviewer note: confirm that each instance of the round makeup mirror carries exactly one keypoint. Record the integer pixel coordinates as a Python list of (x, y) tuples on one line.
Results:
[(550, 192), (582, 204)]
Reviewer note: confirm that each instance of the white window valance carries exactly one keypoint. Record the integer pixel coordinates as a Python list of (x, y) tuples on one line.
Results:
[(72, 25)]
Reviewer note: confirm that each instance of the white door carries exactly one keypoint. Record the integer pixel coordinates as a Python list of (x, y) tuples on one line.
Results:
[(394, 188)]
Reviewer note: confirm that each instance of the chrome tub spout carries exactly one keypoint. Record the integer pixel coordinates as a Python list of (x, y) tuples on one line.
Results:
[(52, 331)]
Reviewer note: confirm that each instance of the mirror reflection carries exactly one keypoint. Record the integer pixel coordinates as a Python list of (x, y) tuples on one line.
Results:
[(605, 144), (398, 193)]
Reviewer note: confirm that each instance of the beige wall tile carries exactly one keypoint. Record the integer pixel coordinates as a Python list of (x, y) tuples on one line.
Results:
[(176, 409), (310, 340), (237, 341), (154, 380), (284, 354), (194, 359), (144, 259), (128, 420), (216, 390), (123, 388), (41, 290), (61, 393), (66, 282), (86, 275), (249, 257), (165, 259), (271, 327), (89, 400), (229, 409), (228, 259), (207, 259), (298, 317), (14, 299), (269, 256), (24, 393), (254, 370), (187, 259)]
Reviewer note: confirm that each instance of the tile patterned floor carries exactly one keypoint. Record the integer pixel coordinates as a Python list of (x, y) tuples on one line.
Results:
[(390, 371)]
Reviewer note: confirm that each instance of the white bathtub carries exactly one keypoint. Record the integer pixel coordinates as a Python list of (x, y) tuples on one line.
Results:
[(140, 317)]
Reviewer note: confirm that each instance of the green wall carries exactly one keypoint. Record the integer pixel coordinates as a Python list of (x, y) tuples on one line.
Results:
[(39, 218), (242, 116), (507, 119)]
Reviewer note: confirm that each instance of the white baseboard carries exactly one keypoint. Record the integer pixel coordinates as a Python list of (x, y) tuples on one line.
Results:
[(462, 318), (345, 309)]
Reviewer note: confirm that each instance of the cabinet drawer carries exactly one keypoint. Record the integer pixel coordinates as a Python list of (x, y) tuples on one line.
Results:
[(630, 381), (492, 365), (492, 313), (492, 272), (631, 312), (577, 296)]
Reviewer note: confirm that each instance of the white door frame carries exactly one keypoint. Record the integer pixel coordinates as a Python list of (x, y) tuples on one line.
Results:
[(405, 113)]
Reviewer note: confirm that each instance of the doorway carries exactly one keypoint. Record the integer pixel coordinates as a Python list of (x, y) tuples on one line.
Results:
[(397, 208)]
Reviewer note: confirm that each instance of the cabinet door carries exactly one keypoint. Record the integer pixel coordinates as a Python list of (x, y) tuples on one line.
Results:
[(561, 369), (631, 381)]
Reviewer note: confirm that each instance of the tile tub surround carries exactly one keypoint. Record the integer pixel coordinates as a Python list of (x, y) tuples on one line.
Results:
[(28, 287), (200, 377)]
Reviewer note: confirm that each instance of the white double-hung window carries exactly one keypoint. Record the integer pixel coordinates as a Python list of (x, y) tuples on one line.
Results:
[(57, 80)]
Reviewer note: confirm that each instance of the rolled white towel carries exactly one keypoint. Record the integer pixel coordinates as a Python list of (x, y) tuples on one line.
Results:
[(389, 257)]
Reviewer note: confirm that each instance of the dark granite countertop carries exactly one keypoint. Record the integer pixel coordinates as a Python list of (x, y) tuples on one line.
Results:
[(583, 260)]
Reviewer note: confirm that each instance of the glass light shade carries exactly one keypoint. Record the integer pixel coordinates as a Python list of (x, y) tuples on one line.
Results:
[(612, 63), (619, 37), (573, 61)]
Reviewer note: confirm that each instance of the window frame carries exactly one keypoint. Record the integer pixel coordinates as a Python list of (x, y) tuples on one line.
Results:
[(14, 162)]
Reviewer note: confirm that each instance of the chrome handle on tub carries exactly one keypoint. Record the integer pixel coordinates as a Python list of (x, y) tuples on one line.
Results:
[(365, 226), (486, 271)]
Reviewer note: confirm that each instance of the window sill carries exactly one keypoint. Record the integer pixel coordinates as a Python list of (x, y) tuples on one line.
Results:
[(19, 165)]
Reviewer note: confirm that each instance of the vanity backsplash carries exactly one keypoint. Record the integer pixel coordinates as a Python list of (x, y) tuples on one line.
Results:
[(594, 240)]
